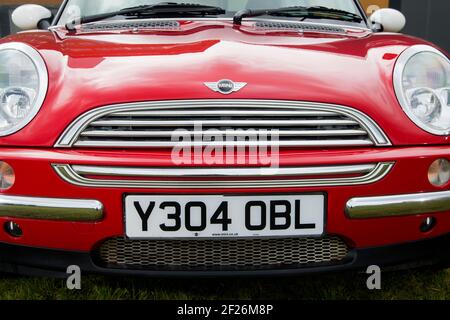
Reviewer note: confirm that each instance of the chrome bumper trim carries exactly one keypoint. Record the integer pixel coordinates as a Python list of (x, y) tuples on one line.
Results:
[(222, 172), (50, 208), (75, 175), (398, 205)]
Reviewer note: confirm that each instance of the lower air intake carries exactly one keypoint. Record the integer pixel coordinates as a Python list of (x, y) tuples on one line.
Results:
[(221, 255)]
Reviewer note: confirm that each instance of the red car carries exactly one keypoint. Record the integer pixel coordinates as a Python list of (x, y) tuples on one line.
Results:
[(221, 138)]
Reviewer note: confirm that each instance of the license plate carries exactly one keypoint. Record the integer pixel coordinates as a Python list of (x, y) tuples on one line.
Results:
[(224, 216)]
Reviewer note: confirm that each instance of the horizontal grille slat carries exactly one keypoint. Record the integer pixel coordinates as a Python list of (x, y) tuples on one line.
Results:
[(202, 113), (225, 123), (164, 144), (163, 124), (221, 254), (222, 172), (240, 133)]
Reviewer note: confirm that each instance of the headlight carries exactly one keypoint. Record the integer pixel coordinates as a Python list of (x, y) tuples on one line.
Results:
[(422, 85), (23, 86)]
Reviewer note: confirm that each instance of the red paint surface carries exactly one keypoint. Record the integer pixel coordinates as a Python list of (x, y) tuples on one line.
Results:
[(91, 70), (35, 177)]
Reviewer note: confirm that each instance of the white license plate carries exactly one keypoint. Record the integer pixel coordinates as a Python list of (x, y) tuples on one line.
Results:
[(224, 216)]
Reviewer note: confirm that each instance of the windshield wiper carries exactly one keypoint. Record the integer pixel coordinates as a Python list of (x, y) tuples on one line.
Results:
[(316, 12), (162, 8)]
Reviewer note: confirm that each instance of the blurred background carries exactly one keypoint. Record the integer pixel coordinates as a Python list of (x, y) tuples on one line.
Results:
[(427, 19)]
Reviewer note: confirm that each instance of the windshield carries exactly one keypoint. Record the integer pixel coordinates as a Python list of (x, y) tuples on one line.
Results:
[(88, 7)]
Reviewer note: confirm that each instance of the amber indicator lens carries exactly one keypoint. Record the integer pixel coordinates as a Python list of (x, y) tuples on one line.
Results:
[(7, 176), (439, 172)]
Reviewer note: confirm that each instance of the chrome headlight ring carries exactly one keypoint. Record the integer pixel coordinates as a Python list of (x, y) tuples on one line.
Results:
[(19, 93), (422, 85)]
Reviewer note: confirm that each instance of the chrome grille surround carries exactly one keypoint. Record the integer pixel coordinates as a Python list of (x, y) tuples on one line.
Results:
[(151, 124), (221, 254), (167, 178)]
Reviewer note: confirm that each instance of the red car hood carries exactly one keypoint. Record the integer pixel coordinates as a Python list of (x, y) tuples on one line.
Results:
[(92, 69)]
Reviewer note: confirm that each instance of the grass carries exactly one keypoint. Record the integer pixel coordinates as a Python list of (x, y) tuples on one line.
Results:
[(406, 285)]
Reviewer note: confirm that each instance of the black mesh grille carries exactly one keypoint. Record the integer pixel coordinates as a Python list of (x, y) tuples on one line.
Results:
[(164, 25), (270, 25), (223, 255)]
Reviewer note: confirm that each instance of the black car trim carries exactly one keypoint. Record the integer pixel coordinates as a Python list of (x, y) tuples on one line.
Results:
[(47, 262)]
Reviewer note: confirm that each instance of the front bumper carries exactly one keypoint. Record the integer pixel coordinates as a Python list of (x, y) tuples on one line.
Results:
[(69, 238), (92, 210)]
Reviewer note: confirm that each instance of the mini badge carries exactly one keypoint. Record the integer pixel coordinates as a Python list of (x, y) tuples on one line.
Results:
[(225, 86)]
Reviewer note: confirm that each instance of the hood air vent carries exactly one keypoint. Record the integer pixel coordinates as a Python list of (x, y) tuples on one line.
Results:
[(294, 26), (152, 24)]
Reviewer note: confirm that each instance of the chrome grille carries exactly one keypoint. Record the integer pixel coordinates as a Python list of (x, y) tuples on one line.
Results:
[(231, 177), (300, 27), (111, 26), (153, 124), (232, 254)]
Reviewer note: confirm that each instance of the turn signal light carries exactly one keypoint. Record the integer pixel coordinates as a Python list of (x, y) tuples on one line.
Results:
[(7, 176), (439, 172)]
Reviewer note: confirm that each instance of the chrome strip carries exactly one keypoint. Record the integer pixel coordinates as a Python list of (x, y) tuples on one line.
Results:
[(71, 134), (259, 123), (50, 208), (244, 113), (398, 205), (220, 172), (71, 175), (236, 133), (162, 144)]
